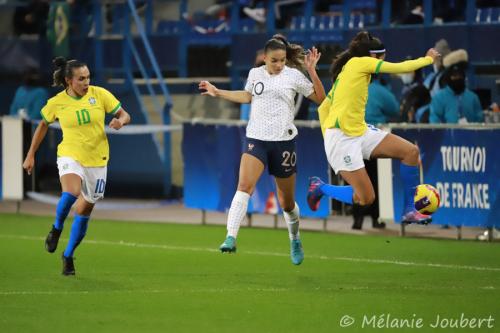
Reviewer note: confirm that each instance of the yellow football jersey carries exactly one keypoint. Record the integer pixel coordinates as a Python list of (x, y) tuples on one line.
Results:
[(82, 123), (344, 106)]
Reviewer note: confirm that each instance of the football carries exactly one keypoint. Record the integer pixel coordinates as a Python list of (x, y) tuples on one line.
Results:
[(426, 199)]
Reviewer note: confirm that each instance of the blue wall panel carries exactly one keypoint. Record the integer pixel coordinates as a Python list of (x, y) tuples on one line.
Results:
[(211, 163), (463, 164)]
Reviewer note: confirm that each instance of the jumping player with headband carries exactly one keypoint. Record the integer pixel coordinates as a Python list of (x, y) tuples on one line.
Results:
[(349, 140), (270, 133)]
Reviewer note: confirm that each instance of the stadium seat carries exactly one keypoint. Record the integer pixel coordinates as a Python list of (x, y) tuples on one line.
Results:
[(247, 24), (168, 27), (495, 15), (336, 21), (318, 22), (363, 13), (488, 15), (356, 20), (294, 23), (210, 26)]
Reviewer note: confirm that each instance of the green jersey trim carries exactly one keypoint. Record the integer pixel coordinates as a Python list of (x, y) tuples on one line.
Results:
[(116, 108), (377, 69), (76, 98), (44, 119)]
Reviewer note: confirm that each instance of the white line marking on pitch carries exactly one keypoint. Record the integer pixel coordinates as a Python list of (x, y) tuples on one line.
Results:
[(274, 254), (138, 291), (206, 290)]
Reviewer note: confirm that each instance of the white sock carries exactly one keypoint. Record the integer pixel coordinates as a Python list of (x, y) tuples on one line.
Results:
[(292, 222), (237, 212)]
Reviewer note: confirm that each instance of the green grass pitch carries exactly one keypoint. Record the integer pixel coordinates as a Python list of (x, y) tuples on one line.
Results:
[(146, 277)]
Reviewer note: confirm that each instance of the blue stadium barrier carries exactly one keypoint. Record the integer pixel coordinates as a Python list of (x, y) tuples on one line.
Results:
[(464, 165), (467, 179), (212, 155), (1, 166), (134, 159)]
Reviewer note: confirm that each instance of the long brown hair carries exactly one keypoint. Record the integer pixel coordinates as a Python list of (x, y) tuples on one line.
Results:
[(294, 52), (360, 46), (64, 69)]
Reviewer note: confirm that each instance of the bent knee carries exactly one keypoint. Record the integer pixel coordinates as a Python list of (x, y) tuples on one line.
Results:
[(74, 192), (366, 200), (245, 187), (413, 153), (288, 205), (84, 208)]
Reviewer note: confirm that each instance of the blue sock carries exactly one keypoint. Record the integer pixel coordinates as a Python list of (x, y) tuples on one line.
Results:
[(63, 207), (78, 230), (411, 178), (340, 193)]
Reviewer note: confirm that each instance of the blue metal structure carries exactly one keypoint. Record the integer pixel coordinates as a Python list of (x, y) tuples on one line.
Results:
[(130, 55), (309, 29)]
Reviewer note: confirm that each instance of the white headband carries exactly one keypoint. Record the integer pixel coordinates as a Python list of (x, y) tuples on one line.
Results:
[(377, 51)]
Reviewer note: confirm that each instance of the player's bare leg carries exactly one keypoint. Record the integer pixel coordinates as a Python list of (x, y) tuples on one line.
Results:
[(393, 146)]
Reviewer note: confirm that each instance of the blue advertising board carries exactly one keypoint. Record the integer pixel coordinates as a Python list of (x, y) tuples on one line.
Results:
[(1, 163), (212, 156), (464, 166)]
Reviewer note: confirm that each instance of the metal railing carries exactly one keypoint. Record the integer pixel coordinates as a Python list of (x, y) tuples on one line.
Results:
[(130, 53)]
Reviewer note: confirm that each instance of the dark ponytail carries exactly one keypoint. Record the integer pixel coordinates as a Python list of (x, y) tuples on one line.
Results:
[(64, 69), (360, 46), (294, 52)]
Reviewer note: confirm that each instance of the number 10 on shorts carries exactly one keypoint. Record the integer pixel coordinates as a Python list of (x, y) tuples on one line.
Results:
[(100, 185)]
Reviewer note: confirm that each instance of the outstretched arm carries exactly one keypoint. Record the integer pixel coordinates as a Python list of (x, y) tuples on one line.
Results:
[(409, 65), (40, 132), (238, 96), (310, 61)]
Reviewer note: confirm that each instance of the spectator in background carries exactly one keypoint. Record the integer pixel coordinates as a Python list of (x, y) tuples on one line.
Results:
[(455, 103), (359, 211), (381, 106), (449, 11), (433, 81), (415, 16), (415, 98), (80, 16), (410, 80), (487, 3), (283, 11), (31, 19), (30, 97)]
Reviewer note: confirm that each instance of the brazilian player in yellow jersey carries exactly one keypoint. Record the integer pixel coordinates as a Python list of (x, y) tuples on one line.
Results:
[(83, 154), (349, 140), (82, 122)]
